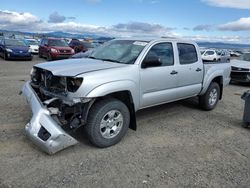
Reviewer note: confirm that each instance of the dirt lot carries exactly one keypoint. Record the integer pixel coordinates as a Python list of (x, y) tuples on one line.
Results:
[(176, 145)]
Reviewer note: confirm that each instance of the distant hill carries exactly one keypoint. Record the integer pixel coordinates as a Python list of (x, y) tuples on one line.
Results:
[(58, 34), (61, 34), (222, 45)]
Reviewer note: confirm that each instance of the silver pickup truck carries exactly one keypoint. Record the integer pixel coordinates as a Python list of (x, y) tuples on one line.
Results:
[(104, 91)]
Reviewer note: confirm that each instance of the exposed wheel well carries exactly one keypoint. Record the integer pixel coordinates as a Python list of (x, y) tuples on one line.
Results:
[(219, 80), (126, 98)]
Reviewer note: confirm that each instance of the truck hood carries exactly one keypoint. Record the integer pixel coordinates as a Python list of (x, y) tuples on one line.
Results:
[(241, 64), (74, 67)]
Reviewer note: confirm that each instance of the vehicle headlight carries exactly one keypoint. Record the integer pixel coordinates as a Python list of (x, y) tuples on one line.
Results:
[(32, 71), (73, 84), (8, 50), (33, 75), (53, 50)]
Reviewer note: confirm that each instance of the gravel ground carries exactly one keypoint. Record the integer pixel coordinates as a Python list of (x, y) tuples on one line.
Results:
[(176, 145)]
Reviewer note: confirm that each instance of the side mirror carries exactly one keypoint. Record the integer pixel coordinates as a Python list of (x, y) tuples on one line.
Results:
[(151, 60)]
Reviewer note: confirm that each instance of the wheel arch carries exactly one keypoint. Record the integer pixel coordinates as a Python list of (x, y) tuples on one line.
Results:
[(219, 81), (128, 96), (218, 78), (127, 99)]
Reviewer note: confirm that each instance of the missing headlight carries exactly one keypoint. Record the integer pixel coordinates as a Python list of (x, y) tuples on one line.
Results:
[(73, 84)]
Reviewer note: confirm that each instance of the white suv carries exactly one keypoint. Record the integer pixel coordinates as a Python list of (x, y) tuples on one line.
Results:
[(210, 55)]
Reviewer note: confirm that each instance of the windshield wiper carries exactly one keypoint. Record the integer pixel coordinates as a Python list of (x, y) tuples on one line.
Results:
[(112, 60), (103, 59)]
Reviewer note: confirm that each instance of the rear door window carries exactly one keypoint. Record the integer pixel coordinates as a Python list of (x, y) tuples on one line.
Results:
[(187, 53)]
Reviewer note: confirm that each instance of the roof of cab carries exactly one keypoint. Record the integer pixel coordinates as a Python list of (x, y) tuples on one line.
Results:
[(155, 39)]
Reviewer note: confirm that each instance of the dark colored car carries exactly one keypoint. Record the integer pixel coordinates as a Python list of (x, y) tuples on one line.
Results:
[(80, 46), (14, 49), (82, 54), (241, 69), (54, 48)]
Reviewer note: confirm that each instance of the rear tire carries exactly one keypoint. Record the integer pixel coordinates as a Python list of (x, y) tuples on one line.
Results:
[(107, 123), (209, 100)]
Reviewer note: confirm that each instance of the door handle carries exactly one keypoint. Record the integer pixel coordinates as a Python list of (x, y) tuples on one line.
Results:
[(198, 70), (174, 72)]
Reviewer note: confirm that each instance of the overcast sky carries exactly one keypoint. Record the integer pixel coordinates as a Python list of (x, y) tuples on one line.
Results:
[(205, 20)]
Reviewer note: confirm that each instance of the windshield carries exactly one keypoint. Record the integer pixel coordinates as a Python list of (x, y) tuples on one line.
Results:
[(120, 51), (58, 43), (32, 42), (246, 57), (14, 42)]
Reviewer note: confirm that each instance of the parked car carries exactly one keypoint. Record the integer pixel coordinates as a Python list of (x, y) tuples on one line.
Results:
[(33, 44), (103, 92), (14, 49), (77, 45), (210, 55), (224, 55), (80, 46), (54, 48), (241, 69), (235, 53), (82, 54)]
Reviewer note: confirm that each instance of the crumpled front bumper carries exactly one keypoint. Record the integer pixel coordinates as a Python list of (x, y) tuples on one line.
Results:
[(42, 129)]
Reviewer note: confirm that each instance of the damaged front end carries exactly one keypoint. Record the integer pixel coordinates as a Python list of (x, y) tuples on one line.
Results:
[(54, 113)]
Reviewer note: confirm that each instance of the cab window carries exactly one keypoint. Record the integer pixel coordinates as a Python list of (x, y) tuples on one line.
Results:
[(164, 53), (187, 53)]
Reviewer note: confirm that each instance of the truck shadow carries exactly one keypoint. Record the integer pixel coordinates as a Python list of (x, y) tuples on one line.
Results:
[(151, 112), (191, 103)]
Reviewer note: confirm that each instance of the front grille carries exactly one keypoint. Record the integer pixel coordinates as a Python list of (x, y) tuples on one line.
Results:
[(20, 51), (65, 51)]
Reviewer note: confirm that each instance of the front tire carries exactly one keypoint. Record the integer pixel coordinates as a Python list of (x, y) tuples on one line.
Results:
[(5, 56), (49, 58), (40, 55), (246, 125), (209, 100), (107, 123)]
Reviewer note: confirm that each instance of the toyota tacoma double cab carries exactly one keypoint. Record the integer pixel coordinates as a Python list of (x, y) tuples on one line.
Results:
[(103, 91)]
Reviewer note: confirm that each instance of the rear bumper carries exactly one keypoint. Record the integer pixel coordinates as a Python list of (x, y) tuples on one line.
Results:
[(42, 129)]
